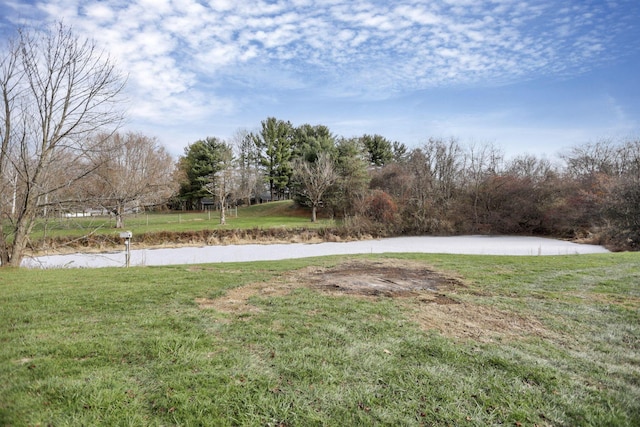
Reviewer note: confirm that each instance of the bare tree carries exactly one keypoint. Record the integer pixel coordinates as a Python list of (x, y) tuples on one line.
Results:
[(620, 205), (56, 91), (221, 183), (132, 171), (419, 209), (481, 162), (316, 177), (247, 166), (587, 160), (444, 159)]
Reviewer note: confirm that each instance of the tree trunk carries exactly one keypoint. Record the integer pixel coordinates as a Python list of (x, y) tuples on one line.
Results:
[(4, 252), (223, 211), (313, 213), (18, 247), (272, 189), (118, 213), (13, 253)]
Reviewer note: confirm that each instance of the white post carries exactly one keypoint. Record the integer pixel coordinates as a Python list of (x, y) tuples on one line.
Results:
[(126, 235)]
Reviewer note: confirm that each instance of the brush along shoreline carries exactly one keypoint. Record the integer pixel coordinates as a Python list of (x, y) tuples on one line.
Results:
[(108, 242)]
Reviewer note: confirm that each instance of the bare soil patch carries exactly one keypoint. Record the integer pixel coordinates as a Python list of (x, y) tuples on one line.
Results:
[(388, 278), (430, 297)]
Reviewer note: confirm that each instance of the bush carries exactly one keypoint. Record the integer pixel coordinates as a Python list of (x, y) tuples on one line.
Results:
[(381, 208)]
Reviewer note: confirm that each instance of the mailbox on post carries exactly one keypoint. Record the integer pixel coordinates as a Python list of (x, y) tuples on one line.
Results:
[(127, 235)]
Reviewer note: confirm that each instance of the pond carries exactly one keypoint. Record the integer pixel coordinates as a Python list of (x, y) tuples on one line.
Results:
[(472, 245)]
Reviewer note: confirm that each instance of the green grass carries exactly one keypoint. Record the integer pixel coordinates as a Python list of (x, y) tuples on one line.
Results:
[(268, 215), (132, 347)]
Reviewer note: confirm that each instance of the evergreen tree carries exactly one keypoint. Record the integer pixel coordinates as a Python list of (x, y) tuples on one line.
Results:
[(274, 143)]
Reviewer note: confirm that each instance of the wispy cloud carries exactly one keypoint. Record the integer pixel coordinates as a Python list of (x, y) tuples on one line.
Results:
[(183, 55)]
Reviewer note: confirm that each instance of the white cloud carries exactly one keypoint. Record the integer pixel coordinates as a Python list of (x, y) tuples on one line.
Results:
[(358, 35), (178, 51), (419, 15), (100, 12)]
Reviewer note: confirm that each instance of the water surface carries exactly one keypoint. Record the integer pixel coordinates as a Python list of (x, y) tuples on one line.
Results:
[(480, 245)]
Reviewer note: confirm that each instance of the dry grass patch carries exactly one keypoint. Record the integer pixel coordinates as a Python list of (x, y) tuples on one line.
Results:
[(236, 301), (473, 321)]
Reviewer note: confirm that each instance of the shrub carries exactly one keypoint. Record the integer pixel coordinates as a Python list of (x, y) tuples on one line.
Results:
[(382, 211)]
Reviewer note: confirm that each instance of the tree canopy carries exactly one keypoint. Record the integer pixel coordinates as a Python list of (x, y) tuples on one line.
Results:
[(274, 143), (202, 162)]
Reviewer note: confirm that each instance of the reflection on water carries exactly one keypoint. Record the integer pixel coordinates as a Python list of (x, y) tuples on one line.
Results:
[(483, 245)]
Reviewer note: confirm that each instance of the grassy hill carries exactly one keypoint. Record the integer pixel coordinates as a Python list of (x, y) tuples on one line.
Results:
[(175, 228)]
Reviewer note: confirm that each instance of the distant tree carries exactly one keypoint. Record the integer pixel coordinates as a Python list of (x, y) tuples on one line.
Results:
[(587, 160), (509, 204), (592, 171), (527, 165), (543, 187), (316, 178), (191, 191), (394, 179), (208, 166), (629, 158), (247, 166), (623, 213), (309, 141), (400, 152), (274, 144), (347, 195), (380, 149), (420, 208), (426, 186), (444, 160), (481, 161), (622, 205), (221, 184), (56, 92), (131, 172)]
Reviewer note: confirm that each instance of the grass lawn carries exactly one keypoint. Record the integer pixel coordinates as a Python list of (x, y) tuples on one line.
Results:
[(267, 215), (508, 341)]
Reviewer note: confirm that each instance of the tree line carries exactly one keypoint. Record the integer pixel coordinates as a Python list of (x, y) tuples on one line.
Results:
[(441, 187), (60, 152)]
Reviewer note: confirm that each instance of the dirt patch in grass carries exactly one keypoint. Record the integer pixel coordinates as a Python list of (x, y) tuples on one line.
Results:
[(387, 278), (430, 297)]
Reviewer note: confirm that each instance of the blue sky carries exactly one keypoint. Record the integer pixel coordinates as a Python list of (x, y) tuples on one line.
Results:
[(530, 76)]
